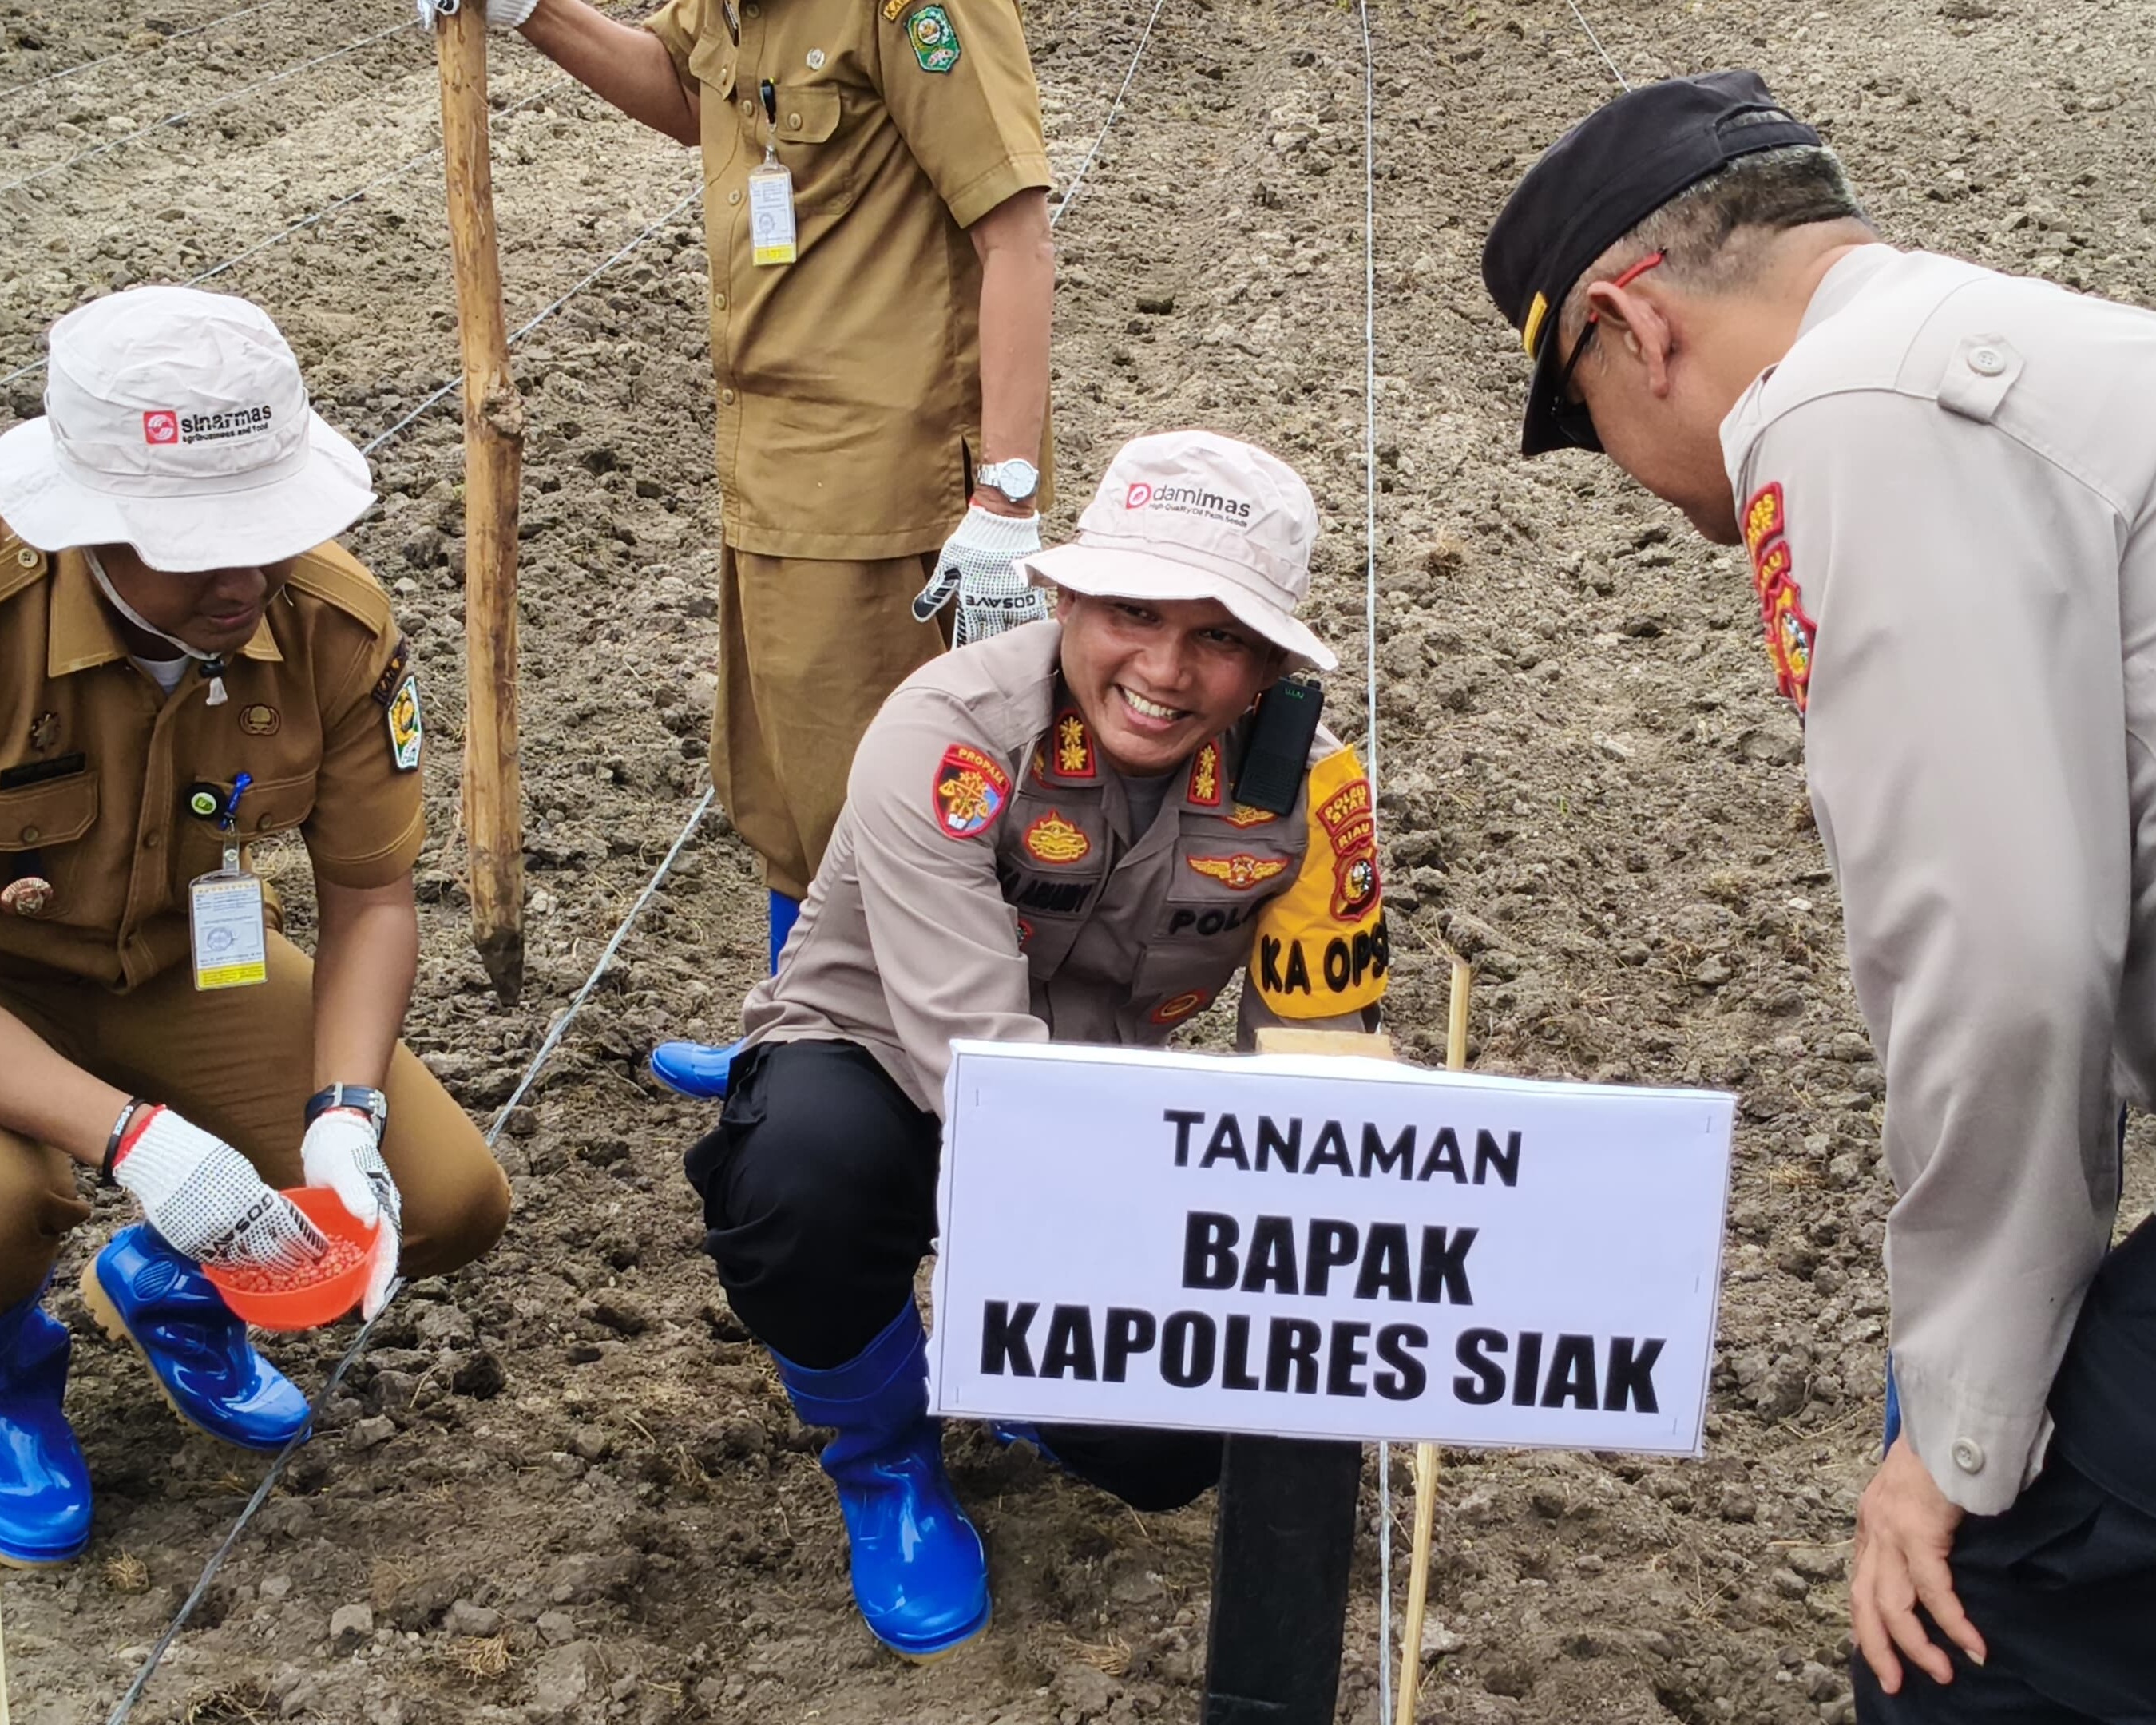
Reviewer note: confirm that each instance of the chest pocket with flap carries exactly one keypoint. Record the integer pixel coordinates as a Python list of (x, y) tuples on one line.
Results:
[(269, 808), (40, 816)]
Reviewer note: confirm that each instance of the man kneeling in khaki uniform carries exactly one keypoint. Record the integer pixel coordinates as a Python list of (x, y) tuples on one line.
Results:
[(186, 666), (1054, 835)]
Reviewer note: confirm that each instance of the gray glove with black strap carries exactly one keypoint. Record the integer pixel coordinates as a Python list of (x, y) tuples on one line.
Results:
[(975, 567)]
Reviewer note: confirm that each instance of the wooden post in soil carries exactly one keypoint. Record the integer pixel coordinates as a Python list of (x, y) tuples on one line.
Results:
[(1285, 1540), (1425, 1461), (494, 450)]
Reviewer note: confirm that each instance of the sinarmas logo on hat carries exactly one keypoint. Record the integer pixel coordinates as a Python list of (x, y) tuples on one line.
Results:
[(160, 425)]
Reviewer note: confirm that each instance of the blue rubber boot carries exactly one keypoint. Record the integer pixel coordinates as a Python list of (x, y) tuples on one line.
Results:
[(44, 1486), (700, 1069), (157, 1300), (920, 1575)]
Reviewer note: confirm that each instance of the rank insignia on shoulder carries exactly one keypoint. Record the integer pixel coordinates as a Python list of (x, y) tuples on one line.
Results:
[(1177, 1008), (970, 791), (1239, 872), (1074, 747), (406, 730), (385, 685), (934, 38), (1205, 791), (1053, 840)]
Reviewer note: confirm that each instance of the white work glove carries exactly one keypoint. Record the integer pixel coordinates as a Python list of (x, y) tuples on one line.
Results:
[(207, 1200), (500, 14), (342, 1151), (975, 567)]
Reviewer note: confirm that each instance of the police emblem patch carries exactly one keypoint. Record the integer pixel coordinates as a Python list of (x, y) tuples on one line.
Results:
[(406, 730), (1205, 776), (935, 39), (1355, 884), (1790, 627), (1177, 1008), (1243, 815), (1763, 518), (1074, 747), (1055, 841), (970, 791), (258, 719), (1242, 872)]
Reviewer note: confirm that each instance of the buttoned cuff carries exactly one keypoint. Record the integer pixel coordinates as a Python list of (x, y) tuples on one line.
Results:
[(1981, 1456), (1004, 181)]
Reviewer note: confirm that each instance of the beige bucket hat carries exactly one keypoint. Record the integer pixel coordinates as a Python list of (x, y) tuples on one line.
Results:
[(176, 421), (1192, 515)]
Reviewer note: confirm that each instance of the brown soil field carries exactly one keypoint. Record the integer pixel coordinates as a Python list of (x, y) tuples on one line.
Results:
[(564, 1486)]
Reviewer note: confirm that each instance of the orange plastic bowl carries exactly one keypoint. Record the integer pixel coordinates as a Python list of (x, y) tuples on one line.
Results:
[(320, 1294)]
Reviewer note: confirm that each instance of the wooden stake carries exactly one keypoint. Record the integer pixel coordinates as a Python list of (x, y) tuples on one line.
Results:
[(1425, 1461), (494, 450)]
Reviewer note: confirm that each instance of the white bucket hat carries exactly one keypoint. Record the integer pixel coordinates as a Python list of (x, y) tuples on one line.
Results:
[(176, 421), (1192, 515)]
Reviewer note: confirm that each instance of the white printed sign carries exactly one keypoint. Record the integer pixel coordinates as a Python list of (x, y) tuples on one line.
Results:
[(1326, 1248)]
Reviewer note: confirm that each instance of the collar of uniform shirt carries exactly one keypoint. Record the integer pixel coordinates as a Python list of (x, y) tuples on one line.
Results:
[(79, 632)]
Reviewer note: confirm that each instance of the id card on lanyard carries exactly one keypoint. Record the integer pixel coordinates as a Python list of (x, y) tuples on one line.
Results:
[(771, 195), (229, 938)]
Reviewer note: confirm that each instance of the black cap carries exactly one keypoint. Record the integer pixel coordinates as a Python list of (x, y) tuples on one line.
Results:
[(1598, 182)]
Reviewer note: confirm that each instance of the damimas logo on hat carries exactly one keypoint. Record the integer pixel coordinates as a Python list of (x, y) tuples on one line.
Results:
[(1188, 500), (162, 425)]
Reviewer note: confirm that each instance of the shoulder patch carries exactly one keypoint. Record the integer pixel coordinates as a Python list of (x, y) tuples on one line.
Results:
[(1790, 628), (1320, 948), (970, 789), (400, 658), (934, 40), (406, 731)]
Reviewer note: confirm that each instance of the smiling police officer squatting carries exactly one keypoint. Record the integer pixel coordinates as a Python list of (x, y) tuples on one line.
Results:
[(1945, 481), (187, 664), (1045, 838), (882, 281)]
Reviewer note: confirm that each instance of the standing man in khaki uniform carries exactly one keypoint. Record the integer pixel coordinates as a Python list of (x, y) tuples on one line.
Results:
[(881, 285), (1046, 838), (1945, 480), (186, 666)]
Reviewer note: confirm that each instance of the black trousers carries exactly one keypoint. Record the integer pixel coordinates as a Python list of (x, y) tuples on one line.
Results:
[(2062, 1586), (820, 1196)]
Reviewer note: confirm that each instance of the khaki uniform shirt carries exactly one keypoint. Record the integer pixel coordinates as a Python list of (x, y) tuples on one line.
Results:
[(96, 761), (983, 881), (850, 379), (1948, 488)]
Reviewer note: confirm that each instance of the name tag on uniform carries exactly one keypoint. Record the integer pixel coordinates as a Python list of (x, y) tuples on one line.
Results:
[(771, 213), (225, 913)]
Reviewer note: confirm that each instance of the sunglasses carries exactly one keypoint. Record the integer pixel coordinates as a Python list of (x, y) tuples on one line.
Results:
[(1573, 420)]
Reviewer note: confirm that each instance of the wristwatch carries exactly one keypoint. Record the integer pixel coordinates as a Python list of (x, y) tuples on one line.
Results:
[(1017, 478), (371, 1103)]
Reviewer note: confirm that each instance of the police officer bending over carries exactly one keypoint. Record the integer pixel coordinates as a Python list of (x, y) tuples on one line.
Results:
[(186, 666), (1927, 463), (1042, 840)]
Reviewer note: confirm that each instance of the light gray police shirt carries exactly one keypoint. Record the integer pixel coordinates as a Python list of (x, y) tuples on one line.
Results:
[(1948, 489)]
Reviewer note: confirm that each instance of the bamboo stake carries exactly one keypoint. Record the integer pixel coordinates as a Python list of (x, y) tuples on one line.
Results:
[(494, 450), (1425, 1461)]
